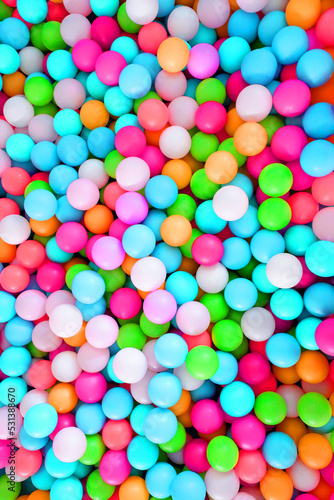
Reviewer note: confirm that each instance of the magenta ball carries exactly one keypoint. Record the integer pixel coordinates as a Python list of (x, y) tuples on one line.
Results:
[(114, 467), (292, 98), (131, 208), (207, 250), (160, 307), (234, 85), (194, 456), (130, 141), (154, 158), (248, 432), (125, 303), (203, 61), (255, 164), (104, 31), (308, 277), (64, 420), (85, 54), (108, 67), (211, 117), (71, 237), (288, 142), (62, 348), (207, 416), (117, 229), (90, 387), (301, 180), (50, 277), (108, 253), (324, 336), (254, 368), (90, 245)]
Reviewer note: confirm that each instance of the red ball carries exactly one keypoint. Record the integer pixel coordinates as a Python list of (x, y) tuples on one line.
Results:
[(269, 385), (289, 72), (251, 466), (104, 31), (197, 340), (8, 207), (17, 16), (324, 29), (14, 279), (125, 303), (303, 207), (151, 36), (117, 434), (11, 3), (14, 180), (130, 141), (40, 176), (56, 12), (40, 375), (111, 194), (27, 462), (31, 254)]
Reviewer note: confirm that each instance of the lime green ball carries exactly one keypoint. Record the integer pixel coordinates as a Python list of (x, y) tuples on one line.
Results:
[(227, 335), (186, 248), (35, 353), (36, 37), (228, 145), (73, 271), (222, 453), (32, 186), (203, 145), (216, 305), (235, 315), (49, 109), (202, 362), (274, 214), (151, 329), (131, 335), (42, 239), (113, 159), (38, 90), (150, 95), (247, 271), (184, 205), (270, 408), (5, 11), (5, 492), (125, 22), (243, 349), (202, 187), (210, 89), (275, 179), (271, 124), (177, 442), (51, 36), (97, 489), (257, 44), (114, 279), (314, 409), (94, 451)]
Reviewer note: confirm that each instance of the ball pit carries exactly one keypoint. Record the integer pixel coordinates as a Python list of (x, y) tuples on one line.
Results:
[(166, 250)]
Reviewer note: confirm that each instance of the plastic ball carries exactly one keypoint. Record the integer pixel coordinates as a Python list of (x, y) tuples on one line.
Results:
[(237, 399), (173, 54), (272, 450)]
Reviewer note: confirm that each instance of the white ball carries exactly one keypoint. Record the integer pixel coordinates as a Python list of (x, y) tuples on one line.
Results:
[(94, 170), (275, 5), (18, 111), (175, 142), (252, 5), (92, 359), (221, 485), (74, 28), (32, 398), (6, 131), (69, 444), (65, 366), (188, 382), (183, 23), (182, 112), (230, 203), (284, 270), (212, 279), (31, 60), (139, 390), (148, 274), (213, 13), (65, 320), (142, 11), (130, 365), (14, 229), (254, 103), (132, 173), (193, 318), (303, 477), (258, 324), (41, 128)]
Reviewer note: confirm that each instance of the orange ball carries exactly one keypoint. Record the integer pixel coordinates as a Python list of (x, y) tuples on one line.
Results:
[(221, 167), (312, 367), (185, 419), (128, 264), (14, 84), (179, 171), (326, 4), (325, 93), (39, 495), (73, 262), (183, 404), (7, 252), (143, 295), (250, 138), (315, 451), (98, 219), (23, 497), (173, 54), (220, 432), (233, 4), (79, 338), (45, 227), (233, 122), (303, 13), (192, 162), (323, 491), (293, 427), (276, 485), (133, 488), (187, 3), (94, 114), (63, 397), (176, 230), (286, 375), (152, 138)]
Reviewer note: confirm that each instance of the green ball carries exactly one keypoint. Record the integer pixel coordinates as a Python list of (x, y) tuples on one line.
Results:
[(243, 349), (114, 279), (186, 248), (131, 335), (228, 145), (202, 362), (235, 315), (5, 11), (274, 214), (150, 95), (51, 36), (35, 353), (271, 124), (210, 89), (113, 159), (184, 205), (203, 145), (275, 179), (247, 271), (216, 305), (125, 22), (314, 409), (177, 442), (262, 299), (97, 489), (38, 90), (73, 271), (94, 451), (151, 329), (5, 492), (270, 408), (222, 453), (49, 109), (135, 319), (42, 239), (227, 335), (202, 187), (36, 37), (32, 186)]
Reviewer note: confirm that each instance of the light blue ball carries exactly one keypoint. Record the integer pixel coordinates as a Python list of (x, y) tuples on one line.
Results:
[(183, 286), (164, 390), (88, 287), (265, 244), (260, 280), (60, 65), (14, 32), (116, 102), (67, 122), (142, 453), (135, 81), (240, 294), (90, 418), (12, 390), (7, 307), (207, 391), (15, 361), (104, 7), (137, 418), (159, 480), (56, 254), (283, 350), (56, 468), (204, 35), (170, 256), (82, 470), (315, 67), (72, 150), (44, 156), (286, 304), (19, 146), (259, 67), (110, 371), (95, 87), (0, 82), (319, 258), (317, 158), (101, 141), (138, 241), (279, 450), (31, 443), (154, 220), (40, 204), (33, 13), (9, 59), (237, 253), (207, 220), (319, 299), (170, 350), (18, 331), (61, 177), (117, 403), (305, 333), (192, 85), (42, 480), (237, 399), (318, 120), (298, 239), (324, 429), (89, 311), (40, 420), (66, 488), (247, 225), (165, 8), (270, 25), (188, 484), (127, 120), (67, 213), (125, 46), (150, 62), (160, 425), (244, 182), (289, 44), (232, 52), (243, 24), (161, 191), (227, 369)]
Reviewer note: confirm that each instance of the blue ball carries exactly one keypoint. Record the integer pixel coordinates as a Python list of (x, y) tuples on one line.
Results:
[(305, 333), (237, 253), (142, 454), (289, 44), (319, 258), (14, 32), (298, 239), (56, 254), (89, 311), (170, 350), (18, 331), (19, 146), (138, 241), (116, 102), (67, 213), (150, 62), (204, 35), (12, 390), (183, 286), (154, 220), (232, 52), (164, 390), (237, 399), (101, 141), (286, 304), (207, 220), (40, 204), (72, 150), (259, 66), (44, 156), (170, 256), (88, 287), (317, 158), (40, 420), (42, 480), (165, 8), (192, 85), (160, 425), (260, 280), (125, 46), (31, 443), (247, 225), (240, 294), (70, 487), (127, 120), (104, 7), (61, 177), (15, 361), (265, 244), (60, 65), (161, 191), (90, 418), (56, 468), (82, 470), (207, 391), (135, 81), (244, 182), (159, 480), (117, 403), (9, 59), (318, 120), (283, 350), (137, 418), (188, 485), (7, 307), (33, 13), (315, 67), (243, 24), (319, 299), (67, 122), (95, 87), (227, 369), (279, 450), (270, 25)]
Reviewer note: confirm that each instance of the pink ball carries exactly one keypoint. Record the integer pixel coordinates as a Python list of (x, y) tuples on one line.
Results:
[(254, 368), (117, 229), (30, 305), (101, 331), (50, 277), (154, 159), (115, 467), (130, 141), (90, 387), (90, 244), (234, 85), (261, 196), (251, 466), (207, 250), (108, 67), (281, 325), (170, 85), (307, 496), (301, 180), (71, 237), (308, 277), (211, 117), (104, 31), (108, 253), (160, 307), (64, 420), (328, 473), (248, 432), (288, 142), (131, 208), (83, 194), (313, 42), (69, 93), (255, 164), (292, 98), (4, 452), (194, 456), (324, 336), (203, 61), (125, 303), (207, 416), (85, 54)]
